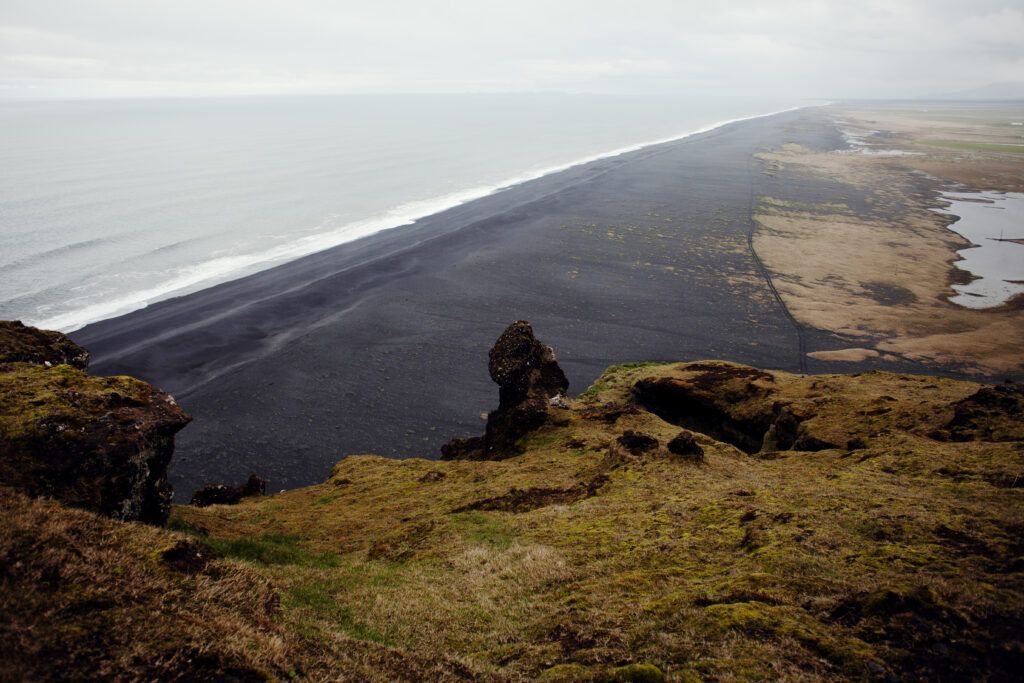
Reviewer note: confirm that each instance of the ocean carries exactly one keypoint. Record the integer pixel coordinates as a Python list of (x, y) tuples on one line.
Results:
[(107, 206)]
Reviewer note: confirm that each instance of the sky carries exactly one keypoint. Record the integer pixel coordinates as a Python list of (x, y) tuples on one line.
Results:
[(791, 48)]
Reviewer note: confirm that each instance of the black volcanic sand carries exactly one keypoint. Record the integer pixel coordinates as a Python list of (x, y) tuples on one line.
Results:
[(381, 345)]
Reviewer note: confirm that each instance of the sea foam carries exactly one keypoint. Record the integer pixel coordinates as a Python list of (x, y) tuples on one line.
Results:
[(83, 306)]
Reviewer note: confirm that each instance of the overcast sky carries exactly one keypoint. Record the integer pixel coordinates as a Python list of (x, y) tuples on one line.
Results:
[(852, 48)]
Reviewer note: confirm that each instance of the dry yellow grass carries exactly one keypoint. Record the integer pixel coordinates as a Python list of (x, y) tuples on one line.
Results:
[(872, 547), (881, 275), (84, 597)]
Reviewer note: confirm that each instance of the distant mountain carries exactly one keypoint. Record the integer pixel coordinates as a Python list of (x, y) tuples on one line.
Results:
[(991, 91)]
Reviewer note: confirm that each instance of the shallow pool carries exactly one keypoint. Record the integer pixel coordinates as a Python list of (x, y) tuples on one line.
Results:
[(989, 220)]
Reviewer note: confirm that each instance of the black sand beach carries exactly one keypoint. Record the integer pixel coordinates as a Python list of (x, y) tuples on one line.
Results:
[(380, 345)]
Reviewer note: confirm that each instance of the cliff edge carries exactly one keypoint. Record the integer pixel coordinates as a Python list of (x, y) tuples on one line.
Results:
[(680, 521), (98, 443)]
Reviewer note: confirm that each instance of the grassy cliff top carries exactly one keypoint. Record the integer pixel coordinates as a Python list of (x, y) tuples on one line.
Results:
[(700, 521), (861, 538)]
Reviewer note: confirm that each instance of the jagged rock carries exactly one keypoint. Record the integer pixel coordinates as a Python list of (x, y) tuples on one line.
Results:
[(686, 447), (462, 449), (637, 442), (254, 486), (737, 404), (20, 343), (99, 443), (522, 367), (528, 376), (994, 413), (223, 494)]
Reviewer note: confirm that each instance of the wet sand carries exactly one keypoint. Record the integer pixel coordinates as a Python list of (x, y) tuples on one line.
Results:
[(381, 345)]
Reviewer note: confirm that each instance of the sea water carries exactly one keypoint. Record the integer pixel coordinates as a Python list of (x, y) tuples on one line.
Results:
[(107, 206)]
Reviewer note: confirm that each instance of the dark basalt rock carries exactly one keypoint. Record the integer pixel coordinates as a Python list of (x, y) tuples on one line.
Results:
[(685, 446), (702, 404), (723, 401), (98, 443), (528, 376), (254, 486), (223, 494), (523, 367), (524, 500), (994, 413), (637, 442), (20, 343)]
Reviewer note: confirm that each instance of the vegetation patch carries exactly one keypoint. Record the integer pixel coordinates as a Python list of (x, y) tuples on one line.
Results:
[(270, 549), (523, 500), (965, 146)]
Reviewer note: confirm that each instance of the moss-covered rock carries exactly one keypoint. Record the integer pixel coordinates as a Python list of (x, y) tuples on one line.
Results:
[(100, 443), (20, 343), (834, 531), (634, 673)]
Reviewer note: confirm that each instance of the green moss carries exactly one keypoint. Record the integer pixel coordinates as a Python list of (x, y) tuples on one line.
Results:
[(634, 673), (884, 602), (484, 528), (566, 673), (541, 439), (271, 549), (32, 396), (655, 567), (322, 599), (757, 618), (608, 377), (181, 526)]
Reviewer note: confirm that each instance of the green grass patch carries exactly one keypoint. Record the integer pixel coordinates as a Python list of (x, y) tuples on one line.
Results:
[(973, 146), (539, 440), (273, 549), (484, 529), (603, 382), (321, 599)]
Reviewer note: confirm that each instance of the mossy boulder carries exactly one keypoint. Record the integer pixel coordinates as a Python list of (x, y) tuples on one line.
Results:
[(99, 443), (634, 673), (20, 343)]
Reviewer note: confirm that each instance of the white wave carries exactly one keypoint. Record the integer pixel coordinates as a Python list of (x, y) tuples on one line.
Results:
[(225, 268)]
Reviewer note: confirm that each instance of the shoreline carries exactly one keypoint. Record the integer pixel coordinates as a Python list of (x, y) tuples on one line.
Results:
[(402, 215), (640, 256), (896, 291)]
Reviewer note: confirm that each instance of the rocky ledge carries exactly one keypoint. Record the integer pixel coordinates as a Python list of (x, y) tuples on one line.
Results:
[(674, 522), (98, 443)]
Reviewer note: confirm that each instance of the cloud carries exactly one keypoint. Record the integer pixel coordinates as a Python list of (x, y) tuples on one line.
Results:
[(781, 47)]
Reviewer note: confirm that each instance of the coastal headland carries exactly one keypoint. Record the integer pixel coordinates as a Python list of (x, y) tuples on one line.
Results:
[(683, 522), (715, 246)]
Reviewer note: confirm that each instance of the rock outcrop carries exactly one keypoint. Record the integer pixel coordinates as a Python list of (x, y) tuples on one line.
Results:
[(98, 443), (684, 446), (528, 378), (994, 413), (20, 343), (224, 494)]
